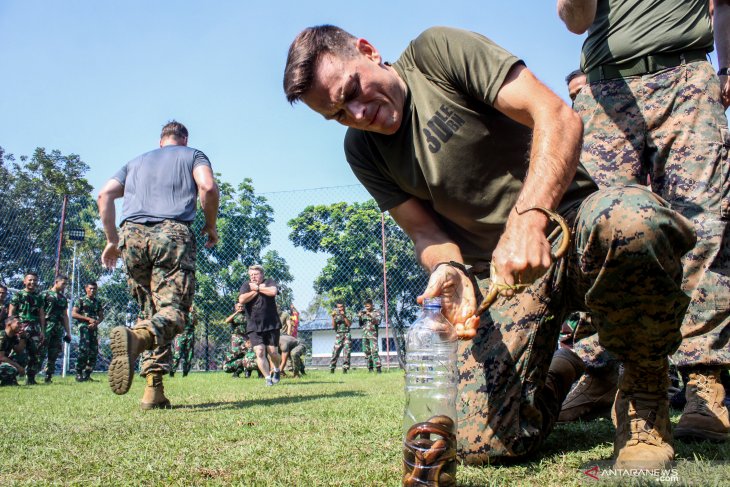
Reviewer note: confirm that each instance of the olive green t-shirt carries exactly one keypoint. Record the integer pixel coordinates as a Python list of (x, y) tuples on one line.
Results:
[(454, 150), (625, 30)]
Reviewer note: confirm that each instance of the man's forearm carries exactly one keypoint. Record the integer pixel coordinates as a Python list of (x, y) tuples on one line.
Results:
[(107, 213), (577, 15), (244, 298), (209, 200), (66, 325), (269, 291)]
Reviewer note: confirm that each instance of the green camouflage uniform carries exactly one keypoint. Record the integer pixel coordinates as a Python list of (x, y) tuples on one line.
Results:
[(369, 323), (8, 373), (55, 306), (184, 344), (234, 361), (88, 336), (624, 267), (160, 261), (678, 135), (343, 341), (28, 306)]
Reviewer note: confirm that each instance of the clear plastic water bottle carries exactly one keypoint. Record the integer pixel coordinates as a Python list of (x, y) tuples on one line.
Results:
[(429, 420)]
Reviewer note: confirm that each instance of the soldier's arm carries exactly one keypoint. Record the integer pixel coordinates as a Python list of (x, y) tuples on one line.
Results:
[(334, 324), (376, 317), (112, 190), (101, 313), (577, 15), (229, 320), (347, 319), (11, 310), (76, 314), (8, 360), (66, 325), (42, 320)]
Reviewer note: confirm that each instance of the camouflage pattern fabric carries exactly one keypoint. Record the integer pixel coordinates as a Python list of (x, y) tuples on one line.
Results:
[(234, 362), (91, 308), (184, 344), (8, 373), (369, 322), (238, 327), (343, 343), (88, 349), (32, 356), (160, 261), (624, 268), (341, 325), (3, 314), (672, 127), (27, 306), (55, 306), (296, 355)]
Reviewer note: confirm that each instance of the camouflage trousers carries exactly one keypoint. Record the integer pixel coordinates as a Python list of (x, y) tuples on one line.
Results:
[(160, 261), (88, 349), (671, 127), (235, 362), (8, 374), (52, 346), (370, 349), (343, 343), (32, 355), (624, 267), (296, 357), (183, 348)]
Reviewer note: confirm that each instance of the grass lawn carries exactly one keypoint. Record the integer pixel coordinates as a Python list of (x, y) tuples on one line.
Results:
[(319, 431)]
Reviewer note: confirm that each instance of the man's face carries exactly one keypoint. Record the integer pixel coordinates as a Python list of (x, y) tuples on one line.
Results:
[(61, 285), (13, 327), (575, 86), (340, 308), (368, 306), (3, 295), (90, 291), (358, 92), (256, 276), (30, 282), (239, 307)]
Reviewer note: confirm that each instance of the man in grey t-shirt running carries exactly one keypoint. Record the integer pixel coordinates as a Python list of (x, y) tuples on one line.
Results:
[(158, 248)]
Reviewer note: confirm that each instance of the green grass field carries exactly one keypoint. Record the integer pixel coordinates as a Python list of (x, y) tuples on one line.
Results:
[(322, 430)]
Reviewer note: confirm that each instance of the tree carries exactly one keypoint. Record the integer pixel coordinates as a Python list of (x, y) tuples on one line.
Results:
[(351, 235)]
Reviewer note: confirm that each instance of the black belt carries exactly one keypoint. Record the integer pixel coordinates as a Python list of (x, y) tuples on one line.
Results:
[(650, 63)]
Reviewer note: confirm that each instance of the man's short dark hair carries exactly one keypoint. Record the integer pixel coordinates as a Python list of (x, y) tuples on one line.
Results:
[(572, 75), (90, 283), (305, 52), (368, 301), (61, 277), (175, 130), (31, 273)]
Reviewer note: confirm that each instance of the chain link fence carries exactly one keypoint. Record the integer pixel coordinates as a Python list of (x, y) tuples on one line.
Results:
[(321, 246)]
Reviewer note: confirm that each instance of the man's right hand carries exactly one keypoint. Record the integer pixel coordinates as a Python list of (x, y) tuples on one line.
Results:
[(212, 234), (21, 370), (458, 298), (110, 255)]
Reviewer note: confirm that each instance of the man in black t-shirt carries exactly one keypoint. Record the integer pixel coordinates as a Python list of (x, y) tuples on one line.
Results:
[(259, 297)]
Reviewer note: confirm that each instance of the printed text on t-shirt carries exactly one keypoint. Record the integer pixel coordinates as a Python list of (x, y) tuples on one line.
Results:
[(441, 127)]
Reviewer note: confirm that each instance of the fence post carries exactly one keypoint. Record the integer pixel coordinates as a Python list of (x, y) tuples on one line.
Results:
[(60, 237), (385, 293)]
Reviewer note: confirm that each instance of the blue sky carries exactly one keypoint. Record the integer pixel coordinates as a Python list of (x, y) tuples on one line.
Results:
[(99, 79)]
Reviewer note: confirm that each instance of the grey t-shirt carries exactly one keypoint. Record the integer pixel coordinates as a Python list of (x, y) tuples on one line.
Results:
[(159, 185)]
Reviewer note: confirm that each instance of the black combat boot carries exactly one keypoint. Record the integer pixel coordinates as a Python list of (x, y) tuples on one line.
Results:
[(172, 372), (380, 370), (80, 377), (30, 380), (236, 375), (370, 370), (87, 376), (247, 373), (48, 379)]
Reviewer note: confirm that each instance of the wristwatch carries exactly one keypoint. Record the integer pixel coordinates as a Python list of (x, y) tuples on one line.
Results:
[(722, 72)]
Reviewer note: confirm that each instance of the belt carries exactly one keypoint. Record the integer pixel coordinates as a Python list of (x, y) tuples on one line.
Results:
[(651, 63)]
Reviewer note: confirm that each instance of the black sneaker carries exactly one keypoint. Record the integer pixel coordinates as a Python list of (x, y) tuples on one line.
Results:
[(332, 371), (380, 371), (344, 371), (370, 370), (172, 373), (275, 376), (30, 380), (88, 378), (48, 379), (247, 373)]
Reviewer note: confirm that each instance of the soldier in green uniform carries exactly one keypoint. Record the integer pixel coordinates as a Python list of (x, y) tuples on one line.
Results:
[(369, 320), (55, 307), (341, 322), (27, 305), (88, 313), (234, 358), (249, 361), (10, 343), (184, 345)]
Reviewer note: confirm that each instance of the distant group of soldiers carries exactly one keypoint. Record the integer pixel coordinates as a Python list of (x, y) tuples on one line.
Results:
[(369, 320), (36, 324)]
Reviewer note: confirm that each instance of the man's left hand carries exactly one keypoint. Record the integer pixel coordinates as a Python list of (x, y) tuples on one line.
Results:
[(725, 91), (458, 299)]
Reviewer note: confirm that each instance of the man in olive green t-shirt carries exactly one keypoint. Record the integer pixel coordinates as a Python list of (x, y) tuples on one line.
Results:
[(654, 107), (458, 141)]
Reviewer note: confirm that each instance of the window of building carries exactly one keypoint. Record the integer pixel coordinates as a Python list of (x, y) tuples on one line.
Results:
[(383, 345)]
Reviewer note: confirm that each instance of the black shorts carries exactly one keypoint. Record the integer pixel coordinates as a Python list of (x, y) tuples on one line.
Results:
[(270, 338)]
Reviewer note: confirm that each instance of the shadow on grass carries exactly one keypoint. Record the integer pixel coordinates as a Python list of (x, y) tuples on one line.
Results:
[(266, 401)]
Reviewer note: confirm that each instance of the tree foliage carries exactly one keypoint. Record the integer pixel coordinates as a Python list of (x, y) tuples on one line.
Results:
[(351, 234)]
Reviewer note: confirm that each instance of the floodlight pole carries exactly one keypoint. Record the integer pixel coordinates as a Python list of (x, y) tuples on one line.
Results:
[(67, 346), (60, 237)]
